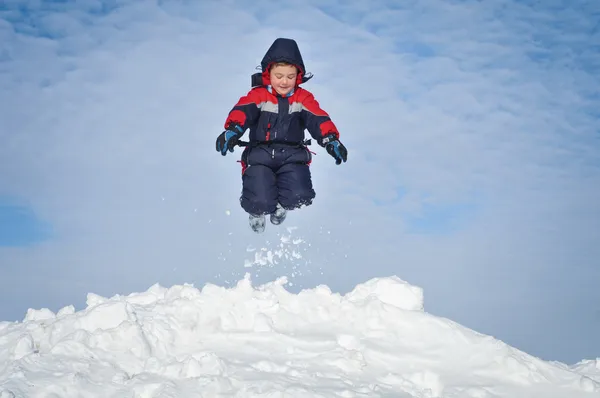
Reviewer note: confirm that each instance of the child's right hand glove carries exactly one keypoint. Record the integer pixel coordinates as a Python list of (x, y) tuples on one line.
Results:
[(335, 148), (228, 139)]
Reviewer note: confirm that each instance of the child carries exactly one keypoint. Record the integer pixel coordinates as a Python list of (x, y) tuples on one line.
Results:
[(275, 164)]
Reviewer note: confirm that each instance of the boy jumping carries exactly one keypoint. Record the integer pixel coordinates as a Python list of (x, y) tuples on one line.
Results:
[(275, 164)]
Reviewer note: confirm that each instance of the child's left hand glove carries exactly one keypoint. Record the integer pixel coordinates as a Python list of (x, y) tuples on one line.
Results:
[(228, 139), (335, 148)]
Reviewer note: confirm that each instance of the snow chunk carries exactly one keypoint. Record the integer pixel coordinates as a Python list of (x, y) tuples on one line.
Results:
[(589, 368), (39, 315), (68, 310), (103, 315), (393, 291), (23, 346)]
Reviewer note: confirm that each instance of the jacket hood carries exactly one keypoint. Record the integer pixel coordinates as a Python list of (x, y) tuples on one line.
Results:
[(282, 50)]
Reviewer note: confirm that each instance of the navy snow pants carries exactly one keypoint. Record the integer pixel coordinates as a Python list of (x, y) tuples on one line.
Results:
[(274, 174)]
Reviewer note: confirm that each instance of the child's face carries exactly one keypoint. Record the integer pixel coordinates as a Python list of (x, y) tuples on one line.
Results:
[(283, 78)]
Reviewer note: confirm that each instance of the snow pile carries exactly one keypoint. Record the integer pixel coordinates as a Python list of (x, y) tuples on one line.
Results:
[(264, 341)]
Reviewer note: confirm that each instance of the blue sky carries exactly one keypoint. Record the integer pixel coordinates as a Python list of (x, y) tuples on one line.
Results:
[(473, 137), (19, 225)]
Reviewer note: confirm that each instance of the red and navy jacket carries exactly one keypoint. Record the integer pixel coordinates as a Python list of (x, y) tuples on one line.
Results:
[(271, 117)]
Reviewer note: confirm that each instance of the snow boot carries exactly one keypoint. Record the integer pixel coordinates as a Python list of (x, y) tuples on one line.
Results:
[(257, 223), (278, 216)]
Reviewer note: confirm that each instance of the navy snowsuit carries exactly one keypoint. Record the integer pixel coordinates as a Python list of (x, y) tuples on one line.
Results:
[(275, 167)]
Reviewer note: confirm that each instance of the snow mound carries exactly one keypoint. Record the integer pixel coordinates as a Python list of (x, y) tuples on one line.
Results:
[(263, 341)]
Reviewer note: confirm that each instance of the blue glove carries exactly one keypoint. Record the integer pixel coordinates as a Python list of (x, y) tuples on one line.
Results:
[(228, 139), (335, 148)]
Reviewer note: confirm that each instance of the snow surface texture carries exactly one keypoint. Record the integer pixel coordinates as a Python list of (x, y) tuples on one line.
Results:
[(263, 341)]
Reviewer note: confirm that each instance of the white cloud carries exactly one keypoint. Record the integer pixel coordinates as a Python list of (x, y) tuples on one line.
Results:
[(109, 124)]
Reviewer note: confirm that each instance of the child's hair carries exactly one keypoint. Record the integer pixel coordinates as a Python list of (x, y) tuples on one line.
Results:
[(282, 63)]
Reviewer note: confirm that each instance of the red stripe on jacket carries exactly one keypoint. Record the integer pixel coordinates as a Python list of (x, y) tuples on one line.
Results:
[(247, 111)]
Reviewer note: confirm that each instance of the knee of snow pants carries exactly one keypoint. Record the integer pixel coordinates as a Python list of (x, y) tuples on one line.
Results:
[(294, 185), (259, 190)]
